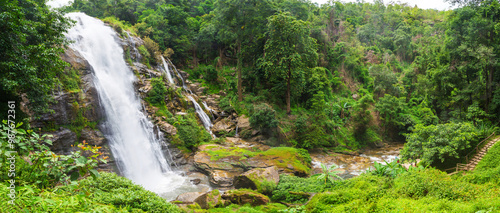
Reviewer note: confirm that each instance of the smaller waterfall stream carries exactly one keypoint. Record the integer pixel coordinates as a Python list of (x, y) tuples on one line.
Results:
[(207, 123), (134, 50), (167, 71)]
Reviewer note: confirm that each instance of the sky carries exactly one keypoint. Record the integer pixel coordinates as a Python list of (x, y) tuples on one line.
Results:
[(424, 4)]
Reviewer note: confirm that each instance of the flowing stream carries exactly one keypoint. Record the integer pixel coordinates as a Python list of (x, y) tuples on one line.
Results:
[(207, 123), (131, 136), (167, 71)]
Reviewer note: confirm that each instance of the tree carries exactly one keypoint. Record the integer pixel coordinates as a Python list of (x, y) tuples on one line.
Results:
[(31, 40), (441, 142), (242, 23), (288, 50)]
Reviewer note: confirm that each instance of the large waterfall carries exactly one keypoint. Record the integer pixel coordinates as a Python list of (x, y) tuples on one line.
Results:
[(135, 146)]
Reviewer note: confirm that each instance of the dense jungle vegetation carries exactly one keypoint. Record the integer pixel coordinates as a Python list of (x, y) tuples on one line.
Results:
[(342, 76)]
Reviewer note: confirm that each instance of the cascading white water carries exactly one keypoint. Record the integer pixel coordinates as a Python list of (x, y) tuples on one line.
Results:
[(135, 146), (209, 109), (167, 71), (207, 123), (134, 50)]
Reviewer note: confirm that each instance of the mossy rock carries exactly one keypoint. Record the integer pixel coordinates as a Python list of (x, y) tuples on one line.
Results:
[(210, 200), (246, 196), (254, 179)]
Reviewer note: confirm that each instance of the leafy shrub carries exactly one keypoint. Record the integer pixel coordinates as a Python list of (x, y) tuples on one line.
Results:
[(440, 142), (156, 95), (434, 183), (299, 188), (153, 49), (225, 104), (190, 132), (70, 80), (263, 118), (39, 165), (112, 189)]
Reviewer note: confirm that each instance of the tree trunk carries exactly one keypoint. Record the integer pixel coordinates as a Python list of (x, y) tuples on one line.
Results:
[(289, 76), (240, 92), (488, 88)]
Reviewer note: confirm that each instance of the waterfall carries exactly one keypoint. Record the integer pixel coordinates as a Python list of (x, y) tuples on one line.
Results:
[(131, 136), (134, 50), (207, 123), (167, 71), (209, 109)]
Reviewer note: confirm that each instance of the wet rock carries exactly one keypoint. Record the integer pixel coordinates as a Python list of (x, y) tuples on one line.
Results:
[(223, 126), (92, 136), (209, 200), (195, 181), (184, 75), (244, 196), (253, 179), (167, 128), (197, 88), (222, 178), (188, 197), (76, 60), (62, 141), (243, 122)]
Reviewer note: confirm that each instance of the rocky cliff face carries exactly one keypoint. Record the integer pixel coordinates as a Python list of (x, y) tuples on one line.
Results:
[(77, 113)]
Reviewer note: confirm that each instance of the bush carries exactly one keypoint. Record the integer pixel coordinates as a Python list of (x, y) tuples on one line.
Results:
[(263, 118), (112, 189), (440, 142), (434, 183), (190, 132), (293, 189), (156, 95)]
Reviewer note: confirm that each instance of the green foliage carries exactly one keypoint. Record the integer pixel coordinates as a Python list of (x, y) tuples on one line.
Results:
[(298, 186), (190, 133), (362, 118), (29, 198), (156, 95), (328, 174), (440, 142), (289, 50), (29, 62), (37, 165), (71, 80), (111, 189), (263, 118)]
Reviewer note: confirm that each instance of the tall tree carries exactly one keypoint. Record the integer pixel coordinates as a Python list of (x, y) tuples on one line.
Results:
[(288, 49), (241, 23), (31, 39)]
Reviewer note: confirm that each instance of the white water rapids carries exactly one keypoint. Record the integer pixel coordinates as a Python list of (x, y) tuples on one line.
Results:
[(133, 142)]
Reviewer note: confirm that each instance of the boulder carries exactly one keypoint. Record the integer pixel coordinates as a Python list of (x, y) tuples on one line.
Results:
[(76, 60), (244, 196), (223, 178), (224, 163), (243, 122), (223, 126), (254, 178), (62, 141), (188, 197), (92, 136), (209, 200), (167, 128)]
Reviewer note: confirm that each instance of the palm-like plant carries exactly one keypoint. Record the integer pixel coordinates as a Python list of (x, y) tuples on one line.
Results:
[(328, 174)]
